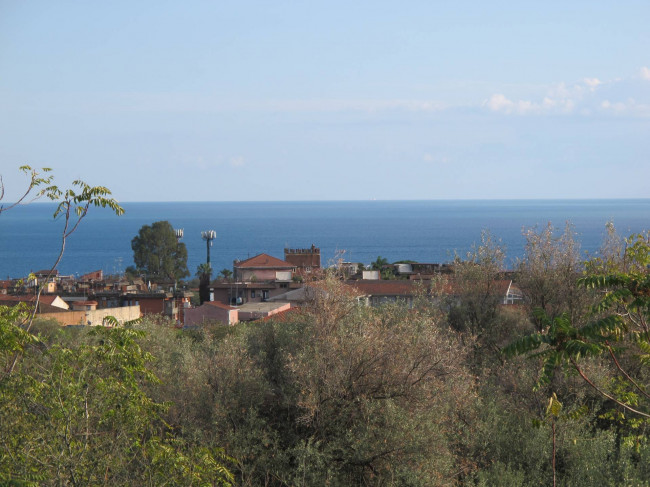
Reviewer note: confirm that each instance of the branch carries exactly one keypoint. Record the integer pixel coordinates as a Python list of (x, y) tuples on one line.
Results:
[(611, 352), (34, 182), (603, 393), (89, 195)]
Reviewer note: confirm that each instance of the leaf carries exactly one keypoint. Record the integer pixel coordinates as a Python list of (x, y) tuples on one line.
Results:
[(554, 407)]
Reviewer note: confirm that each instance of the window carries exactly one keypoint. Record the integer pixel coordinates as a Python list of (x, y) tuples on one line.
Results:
[(252, 293)]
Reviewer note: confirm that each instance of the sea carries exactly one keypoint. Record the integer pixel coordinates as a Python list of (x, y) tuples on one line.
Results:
[(355, 231)]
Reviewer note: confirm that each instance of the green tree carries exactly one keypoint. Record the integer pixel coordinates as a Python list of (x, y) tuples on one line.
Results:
[(72, 207), (203, 272), (157, 252), (380, 263), (619, 331), (78, 413), (203, 269), (225, 273), (340, 394)]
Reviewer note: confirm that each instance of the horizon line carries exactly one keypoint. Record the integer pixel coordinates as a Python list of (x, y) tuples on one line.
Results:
[(372, 200)]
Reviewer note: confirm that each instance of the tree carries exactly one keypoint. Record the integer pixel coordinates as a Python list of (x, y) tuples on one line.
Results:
[(340, 394), (380, 263), (549, 271), (619, 331), (72, 208), (476, 303), (225, 273), (79, 414), (203, 273), (157, 252)]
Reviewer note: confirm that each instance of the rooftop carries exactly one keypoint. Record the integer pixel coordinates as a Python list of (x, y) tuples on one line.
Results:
[(263, 261)]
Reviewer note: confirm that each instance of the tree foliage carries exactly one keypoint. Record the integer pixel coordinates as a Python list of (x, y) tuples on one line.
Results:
[(74, 409), (340, 395), (548, 272), (478, 294), (157, 252), (618, 331), (79, 416)]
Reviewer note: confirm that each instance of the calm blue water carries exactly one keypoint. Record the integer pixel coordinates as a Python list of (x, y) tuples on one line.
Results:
[(424, 231)]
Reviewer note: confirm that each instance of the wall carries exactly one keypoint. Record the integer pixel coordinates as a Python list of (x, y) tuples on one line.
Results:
[(208, 312), (260, 274), (95, 317)]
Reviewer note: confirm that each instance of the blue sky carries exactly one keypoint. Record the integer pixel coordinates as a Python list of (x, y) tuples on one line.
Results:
[(251, 100)]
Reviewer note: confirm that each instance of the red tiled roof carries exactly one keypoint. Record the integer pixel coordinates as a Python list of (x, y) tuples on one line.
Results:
[(401, 288), (93, 276), (502, 286), (219, 305), (263, 261), (23, 298)]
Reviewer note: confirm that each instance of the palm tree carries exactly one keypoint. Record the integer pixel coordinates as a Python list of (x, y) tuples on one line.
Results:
[(379, 263)]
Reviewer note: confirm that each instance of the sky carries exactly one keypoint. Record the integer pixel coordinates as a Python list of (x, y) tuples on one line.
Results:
[(263, 101)]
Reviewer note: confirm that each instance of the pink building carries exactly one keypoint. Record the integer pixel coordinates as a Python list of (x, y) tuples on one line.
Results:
[(262, 267)]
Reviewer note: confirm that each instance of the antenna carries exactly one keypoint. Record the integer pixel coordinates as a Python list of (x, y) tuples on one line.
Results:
[(208, 236)]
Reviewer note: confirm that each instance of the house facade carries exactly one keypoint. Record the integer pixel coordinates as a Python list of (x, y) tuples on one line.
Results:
[(262, 267)]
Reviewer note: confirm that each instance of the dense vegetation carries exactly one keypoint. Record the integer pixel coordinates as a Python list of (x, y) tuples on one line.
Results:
[(454, 391)]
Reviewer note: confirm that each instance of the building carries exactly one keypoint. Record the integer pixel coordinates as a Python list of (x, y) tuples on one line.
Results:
[(45, 302), (304, 261), (211, 312), (239, 293), (93, 276), (262, 267)]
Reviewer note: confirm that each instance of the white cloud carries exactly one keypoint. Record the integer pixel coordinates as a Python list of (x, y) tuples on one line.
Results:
[(627, 107), (427, 157), (237, 161), (200, 162), (592, 83), (645, 73), (585, 97), (499, 103)]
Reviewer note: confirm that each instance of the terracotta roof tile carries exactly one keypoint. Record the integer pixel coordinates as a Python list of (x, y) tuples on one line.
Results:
[(217, 304), (263, 260), (45, 299)]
